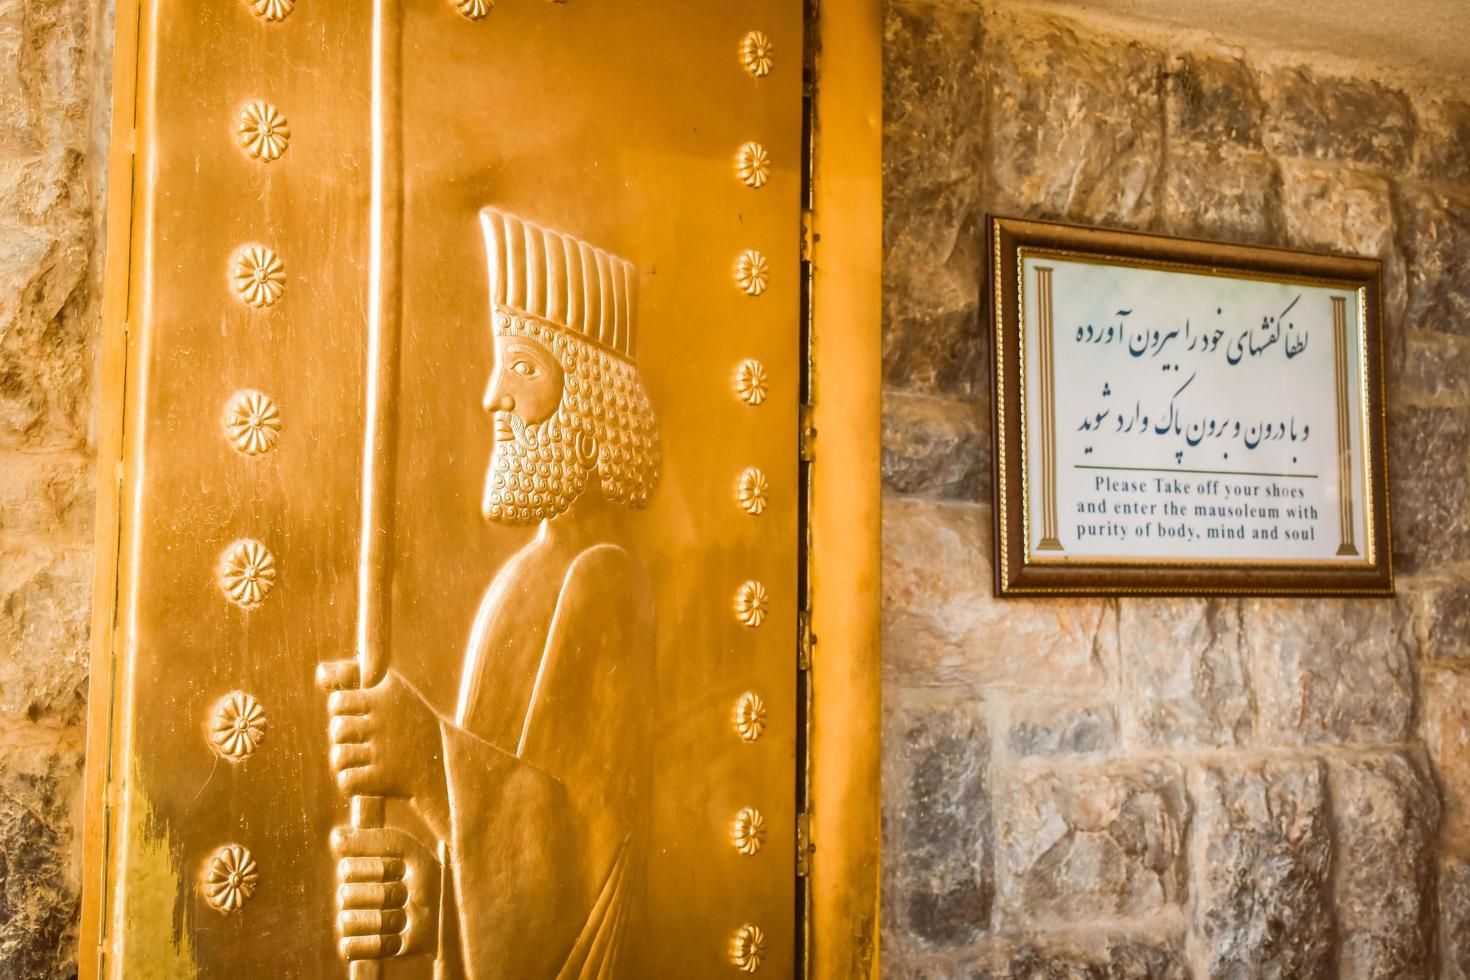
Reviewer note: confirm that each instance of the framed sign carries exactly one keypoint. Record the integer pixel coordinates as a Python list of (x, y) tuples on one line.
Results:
[(1185, 417)]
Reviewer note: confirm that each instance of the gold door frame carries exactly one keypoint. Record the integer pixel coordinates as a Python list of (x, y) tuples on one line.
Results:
[(844, 717), (839, 859)]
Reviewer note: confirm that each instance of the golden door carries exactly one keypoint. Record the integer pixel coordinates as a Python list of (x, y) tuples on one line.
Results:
[(458, 604)]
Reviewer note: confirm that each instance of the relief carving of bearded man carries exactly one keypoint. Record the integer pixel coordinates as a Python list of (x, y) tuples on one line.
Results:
[(537, 787)]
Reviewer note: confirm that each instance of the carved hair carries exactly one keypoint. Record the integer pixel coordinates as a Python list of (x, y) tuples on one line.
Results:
[(602, 394)]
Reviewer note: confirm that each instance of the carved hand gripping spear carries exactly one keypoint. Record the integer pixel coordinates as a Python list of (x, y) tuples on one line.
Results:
[(385, 322)]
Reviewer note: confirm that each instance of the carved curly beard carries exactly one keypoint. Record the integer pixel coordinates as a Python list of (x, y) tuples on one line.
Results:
[(536, 475)]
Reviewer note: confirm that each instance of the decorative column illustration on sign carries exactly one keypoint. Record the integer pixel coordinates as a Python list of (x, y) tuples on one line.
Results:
[(1344, 425), (1049, 540), (1194, 418)]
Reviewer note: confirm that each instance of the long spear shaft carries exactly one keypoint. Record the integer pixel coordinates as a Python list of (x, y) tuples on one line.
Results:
[(385, 323)]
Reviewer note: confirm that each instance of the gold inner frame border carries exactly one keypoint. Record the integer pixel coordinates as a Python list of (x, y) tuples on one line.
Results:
[(1220, 272)]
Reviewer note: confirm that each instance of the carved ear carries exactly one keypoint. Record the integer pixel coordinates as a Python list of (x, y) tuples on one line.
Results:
[(586, 449)]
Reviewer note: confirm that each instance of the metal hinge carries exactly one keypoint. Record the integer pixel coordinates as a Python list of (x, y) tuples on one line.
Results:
[(805, 641), (808, 435), (804, 846)]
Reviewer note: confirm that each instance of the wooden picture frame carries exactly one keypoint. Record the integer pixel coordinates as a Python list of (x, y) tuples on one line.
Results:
[(1180, 417)]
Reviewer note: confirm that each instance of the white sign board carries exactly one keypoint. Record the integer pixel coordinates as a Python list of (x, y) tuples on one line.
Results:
[(1191, 416)]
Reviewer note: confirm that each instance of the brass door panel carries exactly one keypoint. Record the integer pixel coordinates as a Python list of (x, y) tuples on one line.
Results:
[(455, 617)]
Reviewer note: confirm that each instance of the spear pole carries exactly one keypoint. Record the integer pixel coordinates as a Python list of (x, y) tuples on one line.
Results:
[(385, 323)]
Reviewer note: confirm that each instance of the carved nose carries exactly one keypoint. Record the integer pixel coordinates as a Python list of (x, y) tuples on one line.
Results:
[(503, 403)]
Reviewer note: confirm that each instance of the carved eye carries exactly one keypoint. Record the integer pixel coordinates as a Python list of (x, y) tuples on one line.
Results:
[(524, 368)]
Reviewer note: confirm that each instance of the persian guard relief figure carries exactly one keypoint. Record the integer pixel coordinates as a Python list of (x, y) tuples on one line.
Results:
[(537, 787)]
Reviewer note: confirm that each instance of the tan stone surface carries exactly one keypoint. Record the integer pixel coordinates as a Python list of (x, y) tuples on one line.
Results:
[(1185, 673), (1331, 670), (1329, 118), (1075, 844), (935, 447), (1447, 734), (1263, 871), (943, 625), (934, 104), (48, 492), (1218, 191), (1444, 143), (45, 599), (46, 237), (1454, 903), (1078, 123), (40, 817), (1385, 811), (940, 836), (50, 128), (1335, 209), (1213, 98), (1436, 233)]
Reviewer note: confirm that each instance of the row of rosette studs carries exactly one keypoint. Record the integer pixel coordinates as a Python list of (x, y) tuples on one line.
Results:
[(747, 945)]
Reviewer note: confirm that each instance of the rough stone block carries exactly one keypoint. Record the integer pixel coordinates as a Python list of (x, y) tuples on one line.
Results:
[(1384, 813), (1454, 918), (1217, 191), (902, 966), (1213, 99), (1436, 236), (1337, 209), (45, 138), (1075, 124), (935, 447), (943, 875), (894, 789), (1430, 491), (933, 96), (50, 493), (1263, 872), (1331, 670), (45, 358), (943, 625), (942, 352), (1446, 698), (1078, 844), (45, 602), (1045, 725), (1337, 119), (1433, 368), (1443, 616), (933, 100), (1105, 959), (40, 786), (1444, 140), (45, 81), (1186, 680)]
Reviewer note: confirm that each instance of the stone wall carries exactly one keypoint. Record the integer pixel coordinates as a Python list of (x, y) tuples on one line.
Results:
[(1144, 788), (51, 84)]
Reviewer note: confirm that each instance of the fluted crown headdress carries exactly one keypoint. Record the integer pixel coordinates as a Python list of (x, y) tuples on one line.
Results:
[(561, 281)]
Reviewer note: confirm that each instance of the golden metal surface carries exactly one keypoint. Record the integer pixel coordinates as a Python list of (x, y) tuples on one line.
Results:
[(438, 633), (843, 560)]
